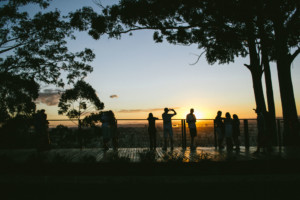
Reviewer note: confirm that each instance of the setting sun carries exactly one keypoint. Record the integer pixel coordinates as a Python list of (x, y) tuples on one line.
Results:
[(197, 113)]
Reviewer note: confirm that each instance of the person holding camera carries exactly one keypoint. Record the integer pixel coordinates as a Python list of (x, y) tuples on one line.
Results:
[(152, 131), (167, 124)]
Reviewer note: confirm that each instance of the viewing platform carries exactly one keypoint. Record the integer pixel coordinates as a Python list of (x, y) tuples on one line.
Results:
[(137, 155)]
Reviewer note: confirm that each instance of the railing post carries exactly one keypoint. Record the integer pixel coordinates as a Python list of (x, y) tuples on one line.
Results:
[(246, 132), (215, 135), (184, 133), (279, 133), (79, 134)]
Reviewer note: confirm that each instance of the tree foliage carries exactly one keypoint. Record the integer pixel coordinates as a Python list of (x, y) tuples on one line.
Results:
[(33, 50), (79, 101), (218, 27), (92, 119), (177, 21), (35, 47), (16, 96)]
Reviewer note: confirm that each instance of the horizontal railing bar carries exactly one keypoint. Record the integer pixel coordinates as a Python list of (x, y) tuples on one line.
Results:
[(146, 119)]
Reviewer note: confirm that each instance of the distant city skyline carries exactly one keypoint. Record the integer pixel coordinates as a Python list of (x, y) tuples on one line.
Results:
[(134, 76)]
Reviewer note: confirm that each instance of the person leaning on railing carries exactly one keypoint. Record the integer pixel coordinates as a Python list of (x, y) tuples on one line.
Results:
[(152, 131), (191, 120), (113, 129), (219, 129), (236, 132), (228, 131), (105, 129), (41, 129)]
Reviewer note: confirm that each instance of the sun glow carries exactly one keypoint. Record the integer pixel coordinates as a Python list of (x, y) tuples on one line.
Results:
[(197, 113)]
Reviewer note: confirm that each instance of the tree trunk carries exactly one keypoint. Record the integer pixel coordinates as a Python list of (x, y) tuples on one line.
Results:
[(271, 104), (291, 123), (255, 68), (289, 110), (268, 80), (258, 90)]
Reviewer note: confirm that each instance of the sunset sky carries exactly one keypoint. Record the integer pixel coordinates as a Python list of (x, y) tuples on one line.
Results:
[(134, 76)]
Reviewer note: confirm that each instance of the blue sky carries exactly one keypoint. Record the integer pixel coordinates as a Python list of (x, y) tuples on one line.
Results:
[(147, 76)]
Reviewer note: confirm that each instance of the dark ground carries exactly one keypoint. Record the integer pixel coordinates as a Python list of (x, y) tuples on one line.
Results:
[(259, 177)]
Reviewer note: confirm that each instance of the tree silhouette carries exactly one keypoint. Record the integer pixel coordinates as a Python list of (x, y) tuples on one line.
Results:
[(33, 50), (16, 96), (92, 119), (223, 29), (79, 101), (285, 18)]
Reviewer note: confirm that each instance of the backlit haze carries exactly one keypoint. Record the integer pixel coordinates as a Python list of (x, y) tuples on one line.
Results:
[(134, 76)]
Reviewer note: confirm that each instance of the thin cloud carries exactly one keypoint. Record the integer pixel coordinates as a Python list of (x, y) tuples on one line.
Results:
[(49, 97), (143, 110), (113, 96)]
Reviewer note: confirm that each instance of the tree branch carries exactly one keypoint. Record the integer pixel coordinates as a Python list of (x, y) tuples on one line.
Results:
[(292, 19), (155, 28), (248, 66), (5, 50), (6, 41), (98, 3), (294, 55), (199, 56)]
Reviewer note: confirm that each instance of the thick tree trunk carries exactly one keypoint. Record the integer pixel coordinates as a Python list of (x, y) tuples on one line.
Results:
[(258, 89), (271, 104), (255, 69), (291, 123), (268, 80), (289, 110)]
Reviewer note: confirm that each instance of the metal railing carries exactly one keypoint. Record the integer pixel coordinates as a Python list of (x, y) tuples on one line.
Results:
[(134, 133)]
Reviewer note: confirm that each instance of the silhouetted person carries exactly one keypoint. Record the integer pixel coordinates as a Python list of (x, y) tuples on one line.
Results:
[(228, 131), (105, 129), (219, 129), (152, 131), (41, 129), (236, 132), (168, 131), (113, 129), (191, 120)]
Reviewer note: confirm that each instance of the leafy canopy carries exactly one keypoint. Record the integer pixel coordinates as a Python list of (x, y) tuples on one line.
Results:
[(36, 47), (79, 101), (34, 50), (216, 26), (199, 22), (17, 95)]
